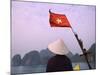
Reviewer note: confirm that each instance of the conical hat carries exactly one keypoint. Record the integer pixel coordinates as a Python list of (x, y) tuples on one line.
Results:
[(58, 47)]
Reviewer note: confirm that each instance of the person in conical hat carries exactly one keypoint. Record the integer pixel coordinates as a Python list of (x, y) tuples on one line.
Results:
[(59, 62)]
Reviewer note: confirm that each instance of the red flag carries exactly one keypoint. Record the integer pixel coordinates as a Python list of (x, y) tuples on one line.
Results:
[(58, 20)]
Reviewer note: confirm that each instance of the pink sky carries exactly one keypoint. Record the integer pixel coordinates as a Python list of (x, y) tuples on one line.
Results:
[(31, 29)]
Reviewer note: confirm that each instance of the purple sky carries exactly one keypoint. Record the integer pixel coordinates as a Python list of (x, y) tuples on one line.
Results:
[(31, 29)]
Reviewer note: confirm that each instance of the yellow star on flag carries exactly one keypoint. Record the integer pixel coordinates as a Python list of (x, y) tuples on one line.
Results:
[(58, 20)]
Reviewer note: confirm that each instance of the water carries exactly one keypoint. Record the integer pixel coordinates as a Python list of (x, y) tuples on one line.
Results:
[(28, 69), (40, 68)]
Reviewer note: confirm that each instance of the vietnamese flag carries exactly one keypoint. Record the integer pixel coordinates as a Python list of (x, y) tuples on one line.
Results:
[(58, 20)]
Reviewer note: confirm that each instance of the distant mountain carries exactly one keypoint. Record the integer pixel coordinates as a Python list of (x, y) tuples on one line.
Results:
[(92, 57), (32, 58), (16, 60), (45, 55), (77, 58), (42, 57), (70, 55), (92, 50)]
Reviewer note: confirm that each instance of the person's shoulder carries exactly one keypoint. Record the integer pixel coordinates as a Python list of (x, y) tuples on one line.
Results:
[(59, 57)]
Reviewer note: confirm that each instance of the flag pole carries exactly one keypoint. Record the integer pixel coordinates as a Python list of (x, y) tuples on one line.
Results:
[(81, 46)]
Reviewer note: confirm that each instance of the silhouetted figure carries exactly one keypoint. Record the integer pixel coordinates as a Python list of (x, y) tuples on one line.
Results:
[(83, 50), (59, 63)]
